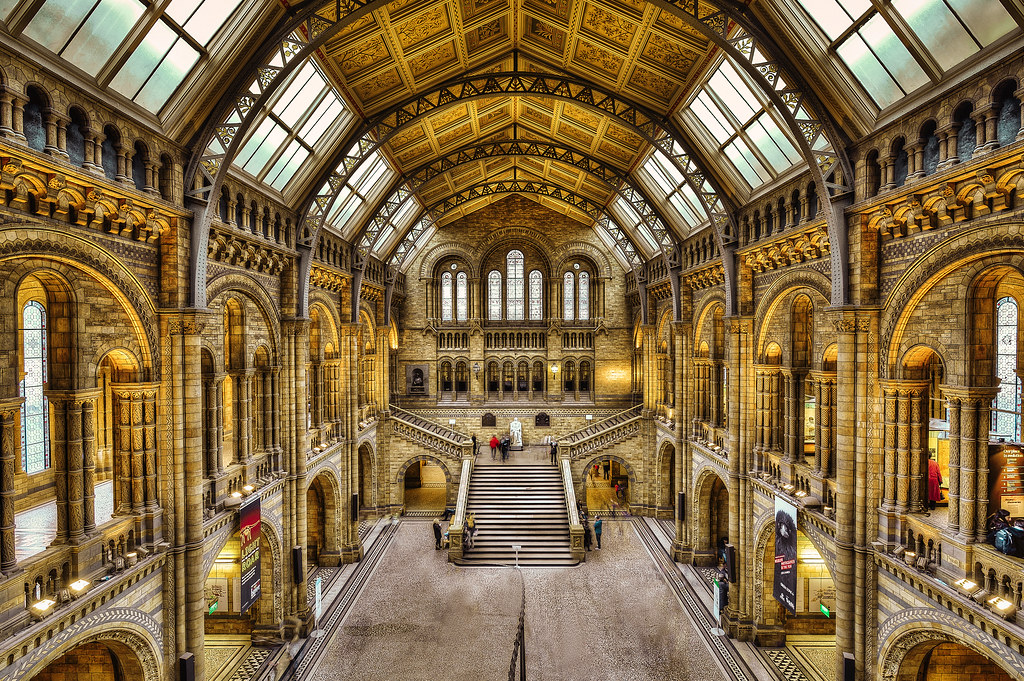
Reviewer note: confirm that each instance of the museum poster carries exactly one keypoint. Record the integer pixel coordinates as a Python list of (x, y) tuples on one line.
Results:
[(785, 554), (249, 550)]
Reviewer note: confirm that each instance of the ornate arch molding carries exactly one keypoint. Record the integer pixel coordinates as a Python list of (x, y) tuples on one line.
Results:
[(243, 283), (986, 244), (706, 306), (908, 629), (448, 249), (764, 531), (514, 233), (129, 627), (920, 340), (400, 475), (324, 301), (703, 481), (581, 249), (772, 299), (598, 458), (100, 264)]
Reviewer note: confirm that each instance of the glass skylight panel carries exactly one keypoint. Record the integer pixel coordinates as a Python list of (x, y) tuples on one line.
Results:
[(320, 120), (939, 29), (770, 140), (287, 165), (305, 89), (156, 67), (85, 33), (258, 150), (710, 116), (745, 161), (739, 100), (834, 16), (881, 62), (201, 18), (987, 21)]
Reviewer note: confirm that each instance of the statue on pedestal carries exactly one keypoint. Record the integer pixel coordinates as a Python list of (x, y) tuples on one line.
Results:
[(515, 429)]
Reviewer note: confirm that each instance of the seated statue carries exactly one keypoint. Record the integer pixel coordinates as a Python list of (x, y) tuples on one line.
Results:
[(515, 429)]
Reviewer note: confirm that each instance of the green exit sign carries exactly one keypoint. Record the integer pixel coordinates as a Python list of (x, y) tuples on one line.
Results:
[(213, 606), (824, 610)]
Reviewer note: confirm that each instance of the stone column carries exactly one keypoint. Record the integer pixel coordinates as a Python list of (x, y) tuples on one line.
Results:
[(8, 450), (918, 442), (969, 423), (794, 433), (986, 118), (268, 413), (89, 466), (889, 446), (817, 424), (947, 135), (828, 426), (210, 392), (903, 450)]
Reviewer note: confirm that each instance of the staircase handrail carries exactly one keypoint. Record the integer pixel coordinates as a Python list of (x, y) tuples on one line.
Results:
[(575, 526), (429, 426), (456, 530), (602, 425)]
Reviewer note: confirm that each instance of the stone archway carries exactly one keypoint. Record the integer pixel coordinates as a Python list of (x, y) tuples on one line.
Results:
[(710, 517), (666, 492), (597, 494), (323, 521), (925, 654), (367, 479), (415, 468)]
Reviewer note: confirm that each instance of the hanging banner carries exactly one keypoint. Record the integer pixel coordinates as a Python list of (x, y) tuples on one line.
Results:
[(249, 549), (785, 554)]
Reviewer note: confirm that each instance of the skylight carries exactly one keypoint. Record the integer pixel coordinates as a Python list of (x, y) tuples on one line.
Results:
[(291, 131), (369, 180), (882, 45), (164, 45), (746, 132), (661, 174)]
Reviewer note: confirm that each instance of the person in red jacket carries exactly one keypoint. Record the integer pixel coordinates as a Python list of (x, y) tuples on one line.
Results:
[(934, 482), (494, 446)]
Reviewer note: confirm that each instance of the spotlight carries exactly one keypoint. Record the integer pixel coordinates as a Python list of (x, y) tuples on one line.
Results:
[(78, 587), (1002, 607)]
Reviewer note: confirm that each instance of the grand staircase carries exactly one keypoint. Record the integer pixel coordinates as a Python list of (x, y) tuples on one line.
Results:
[(518, 505)]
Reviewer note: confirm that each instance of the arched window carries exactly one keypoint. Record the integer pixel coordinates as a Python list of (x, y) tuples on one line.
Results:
[(446, 297), (1006, 411), (584, 296), (35, 417), (514, 294), (461, 297), (536, 295), (494, 295), (568, 297)]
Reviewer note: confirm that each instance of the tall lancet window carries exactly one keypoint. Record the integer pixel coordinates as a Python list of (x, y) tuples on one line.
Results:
[(35, 417), (514, 273), (446, 297), (1007, 407), (536, 295), (461, 297), (494, 295), (584, 296), (568, 297)]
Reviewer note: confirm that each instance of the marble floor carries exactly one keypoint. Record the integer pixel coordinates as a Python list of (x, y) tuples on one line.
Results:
[(420, 617), (35, 528)]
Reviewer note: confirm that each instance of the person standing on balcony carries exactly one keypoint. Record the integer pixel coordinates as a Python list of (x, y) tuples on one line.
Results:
[(934, 482), (494, 447)]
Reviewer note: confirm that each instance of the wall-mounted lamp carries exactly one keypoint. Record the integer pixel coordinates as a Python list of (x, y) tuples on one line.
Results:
[(248, 489), (78, 587), (41, 609), (554, 369), (451, 422), (476, 369), (589, 417)]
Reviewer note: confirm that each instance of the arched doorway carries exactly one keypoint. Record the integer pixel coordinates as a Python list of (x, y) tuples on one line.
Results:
[(367, 498), (104, 660), (942, 660), (424, 488), (322, 510), (711, 519), (606, 486), (667, 482)]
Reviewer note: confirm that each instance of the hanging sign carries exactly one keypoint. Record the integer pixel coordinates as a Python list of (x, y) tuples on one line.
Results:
[(785, 554), (249, 545)]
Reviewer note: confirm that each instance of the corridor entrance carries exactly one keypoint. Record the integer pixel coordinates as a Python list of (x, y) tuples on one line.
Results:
[(95, 661), (425, 488), (600, 485)]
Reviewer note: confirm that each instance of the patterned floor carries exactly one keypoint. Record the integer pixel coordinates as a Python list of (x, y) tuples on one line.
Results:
[(250, 665), (816, 654)]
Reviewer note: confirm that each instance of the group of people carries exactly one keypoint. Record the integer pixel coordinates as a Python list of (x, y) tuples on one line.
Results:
[(443, 541), (587, 541), (500, 445), (595, 473)]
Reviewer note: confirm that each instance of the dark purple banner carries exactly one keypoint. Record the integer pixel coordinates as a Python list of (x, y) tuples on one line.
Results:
[(785, 554), (249, 549)]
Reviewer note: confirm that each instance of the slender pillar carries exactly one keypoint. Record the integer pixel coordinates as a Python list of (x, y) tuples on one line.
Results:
[(8, 447)]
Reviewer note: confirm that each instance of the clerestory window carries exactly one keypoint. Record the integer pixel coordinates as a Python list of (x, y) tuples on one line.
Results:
[(1006, 408), (35, 427)]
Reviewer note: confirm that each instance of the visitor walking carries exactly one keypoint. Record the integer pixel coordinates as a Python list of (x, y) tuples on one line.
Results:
[(470, 530), (554, 451), (494, 447), (503, 445), (597, 530), (437, 534), (474, 445), (934, 482), (607, 469), (586, 535)]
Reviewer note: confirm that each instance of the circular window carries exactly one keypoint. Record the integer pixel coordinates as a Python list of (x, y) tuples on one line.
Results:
[(455, 265), (575, 265)]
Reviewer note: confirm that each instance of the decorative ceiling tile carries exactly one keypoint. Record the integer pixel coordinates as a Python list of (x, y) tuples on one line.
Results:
[(379, 85), (598, 58), (546, 34), (448, 116), (609, 26), (408, 137), (474, 9), (486, 35), (423, 27), (669, 54), (627, 138), (652, 83), (434, 60), (615, 151), (574, 133), (455, 135), (412, 156), (362, 57), (580, 115)]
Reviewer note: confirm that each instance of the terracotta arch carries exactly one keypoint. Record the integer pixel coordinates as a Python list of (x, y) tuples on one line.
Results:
[(581, 484), (128, 632), (324, 509), (399, 480), (703, 491), (666, 489)]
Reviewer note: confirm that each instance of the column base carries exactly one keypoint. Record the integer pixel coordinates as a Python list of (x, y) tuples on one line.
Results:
[(351, 553), (769, 636), (268, 634), (681, 553), (329, 559)]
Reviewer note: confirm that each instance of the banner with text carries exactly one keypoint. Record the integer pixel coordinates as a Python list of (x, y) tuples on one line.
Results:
[(785, 554), (249, 549)]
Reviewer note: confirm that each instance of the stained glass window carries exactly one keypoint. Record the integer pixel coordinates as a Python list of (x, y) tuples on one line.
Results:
[(568, 297), (536, 295), (1007, 407), (35, 430), (446, 297), (514, 272), (461, 297), (584, 296), (494, 295)]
